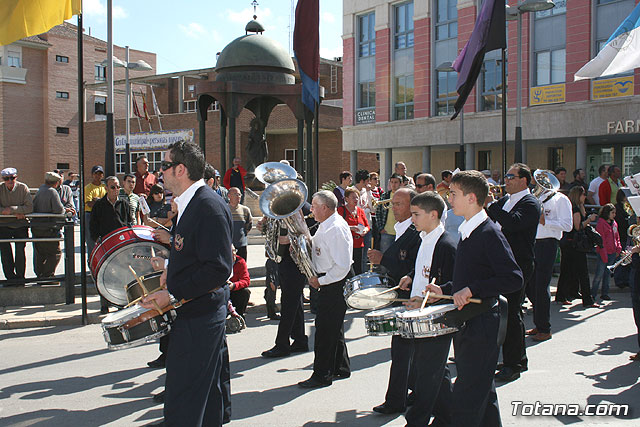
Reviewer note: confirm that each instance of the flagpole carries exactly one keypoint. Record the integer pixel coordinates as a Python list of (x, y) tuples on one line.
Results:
[(504, 112), (81, 215)]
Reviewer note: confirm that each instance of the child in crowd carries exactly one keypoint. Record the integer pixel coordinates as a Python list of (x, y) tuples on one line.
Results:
[(608, 229)]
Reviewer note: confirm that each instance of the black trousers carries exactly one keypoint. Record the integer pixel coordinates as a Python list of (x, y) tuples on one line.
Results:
[(514, 353), (432, 381), (13, 268), (46, 254), (331, 357), (240, 300), (399, 374), (574, 275), (635, 303), (194, 365), (357, 260), (291, 324), (225, 381), (539, 292), (474, 400)]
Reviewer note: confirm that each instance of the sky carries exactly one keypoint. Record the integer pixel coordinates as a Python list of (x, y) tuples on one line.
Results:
[(187, 35)]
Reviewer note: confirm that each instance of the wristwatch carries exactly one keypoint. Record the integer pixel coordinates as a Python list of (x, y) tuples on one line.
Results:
[(174, 301)]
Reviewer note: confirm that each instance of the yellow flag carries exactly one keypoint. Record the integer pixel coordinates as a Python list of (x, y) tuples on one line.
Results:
[(23, 18)]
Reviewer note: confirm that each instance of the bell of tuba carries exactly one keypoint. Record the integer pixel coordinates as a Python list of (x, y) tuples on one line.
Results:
[(546, 181), (282, 202), (268, 173)]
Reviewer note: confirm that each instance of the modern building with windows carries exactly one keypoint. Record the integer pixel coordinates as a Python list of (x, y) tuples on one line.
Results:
[(399, 87)]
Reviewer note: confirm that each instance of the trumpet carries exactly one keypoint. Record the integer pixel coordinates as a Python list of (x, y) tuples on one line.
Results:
[(624, 260), (386, 203), (496, 190)]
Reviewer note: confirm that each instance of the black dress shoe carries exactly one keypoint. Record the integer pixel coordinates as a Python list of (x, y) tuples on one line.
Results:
[(275, 352), (314, 382), (388, 410), (274, 316), (507, 374), (299, 348), (159, 398), (158, 363), (341, 376)]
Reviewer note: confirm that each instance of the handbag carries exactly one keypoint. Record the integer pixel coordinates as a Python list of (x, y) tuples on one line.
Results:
[(581, 242), (594, 236)]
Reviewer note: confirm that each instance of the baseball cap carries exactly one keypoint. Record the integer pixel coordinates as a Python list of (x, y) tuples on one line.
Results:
[(9, 172), (97, 168)]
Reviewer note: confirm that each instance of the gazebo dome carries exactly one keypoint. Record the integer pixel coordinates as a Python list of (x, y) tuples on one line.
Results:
[(254, 58)]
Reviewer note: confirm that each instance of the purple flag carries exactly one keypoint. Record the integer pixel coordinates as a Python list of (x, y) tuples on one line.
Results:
[(488, 34)]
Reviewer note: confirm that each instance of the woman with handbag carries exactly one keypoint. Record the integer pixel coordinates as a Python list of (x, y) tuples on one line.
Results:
[(607, 255), (574, 273), (357, 221)]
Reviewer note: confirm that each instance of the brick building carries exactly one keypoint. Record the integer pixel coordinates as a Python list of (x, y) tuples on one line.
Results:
[(397, 104), (39, 99)]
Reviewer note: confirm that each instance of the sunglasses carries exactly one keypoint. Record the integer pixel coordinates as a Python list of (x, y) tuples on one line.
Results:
[(114, 187), (168, 165), (510, 176), (8, 178), (420, 185)]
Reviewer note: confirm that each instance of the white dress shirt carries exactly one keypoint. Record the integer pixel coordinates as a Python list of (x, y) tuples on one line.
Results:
[(558, 216), (467, 227), (422, 275), (401, 227), (332, 249), (594, 187), (183, 200), (513, 199), (365, 202)]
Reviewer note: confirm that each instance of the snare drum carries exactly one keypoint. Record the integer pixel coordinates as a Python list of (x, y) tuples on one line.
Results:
[(424, 323), (110, 260), (382, 322), (135, 325), (151, 283), (362, 292)]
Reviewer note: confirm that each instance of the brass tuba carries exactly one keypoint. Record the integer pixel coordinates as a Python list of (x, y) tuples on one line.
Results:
[(282, 202), (268, 173), (546, 181)]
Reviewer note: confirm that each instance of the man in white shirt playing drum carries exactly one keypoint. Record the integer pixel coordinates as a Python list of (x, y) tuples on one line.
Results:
[(332, 251)]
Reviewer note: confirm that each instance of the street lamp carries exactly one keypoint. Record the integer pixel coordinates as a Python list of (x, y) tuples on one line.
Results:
[(516, 13), (447, 67), (139, 65)]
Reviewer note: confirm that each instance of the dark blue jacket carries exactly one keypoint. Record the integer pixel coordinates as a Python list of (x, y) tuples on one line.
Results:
[(484, 263), (201, 257)]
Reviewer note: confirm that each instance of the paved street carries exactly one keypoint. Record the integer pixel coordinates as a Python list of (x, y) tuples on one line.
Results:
[(65, 376)]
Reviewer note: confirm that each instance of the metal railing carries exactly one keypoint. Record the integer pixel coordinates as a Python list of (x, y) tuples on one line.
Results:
[(65, 221)]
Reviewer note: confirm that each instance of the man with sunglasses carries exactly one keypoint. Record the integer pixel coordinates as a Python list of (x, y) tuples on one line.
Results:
[(517, 213), (425, 182), (15, 199)]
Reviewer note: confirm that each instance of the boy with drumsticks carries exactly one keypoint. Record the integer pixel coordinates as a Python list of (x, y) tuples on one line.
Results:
[(484, 268), (434, 263)]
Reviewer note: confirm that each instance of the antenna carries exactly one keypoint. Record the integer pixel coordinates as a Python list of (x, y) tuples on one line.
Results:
[(254, 3)]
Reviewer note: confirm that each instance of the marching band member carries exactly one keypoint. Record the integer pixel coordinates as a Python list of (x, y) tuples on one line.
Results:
[(517, 213), (399, 260), (484, 268), (332, 248), (434, 263)]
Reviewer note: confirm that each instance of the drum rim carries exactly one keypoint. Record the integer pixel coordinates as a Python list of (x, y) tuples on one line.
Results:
[(108, 237)]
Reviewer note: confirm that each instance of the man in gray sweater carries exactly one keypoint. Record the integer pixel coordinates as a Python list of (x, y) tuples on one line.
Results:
[(14, 200), (47, 254)]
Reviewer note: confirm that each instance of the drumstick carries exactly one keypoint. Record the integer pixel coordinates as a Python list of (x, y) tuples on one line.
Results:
[(449, 297), (157, 223), (144, 290), (424, 301), (389, 290)]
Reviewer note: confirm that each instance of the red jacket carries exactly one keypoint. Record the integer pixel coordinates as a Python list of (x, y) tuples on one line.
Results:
[(610, 239), (360, 218), (226, 181), (240, 278)]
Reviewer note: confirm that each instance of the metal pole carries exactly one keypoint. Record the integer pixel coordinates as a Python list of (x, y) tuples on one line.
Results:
[(232, 141), (83, 248), (316, 150), (300, 151), (309, 174), (109, 153), (69, 263), (127, 150), (202, 135), (223, 143), (462, 154), (504, 114), (518, 140)]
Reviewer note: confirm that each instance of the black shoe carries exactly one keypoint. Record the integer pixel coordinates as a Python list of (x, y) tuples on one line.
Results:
[(298, 348), (104, 310), (411, 399), (156, 423), (341, 376), (158, 363), (274, 316), (507, 374), (388, 410), (605, 298), (314, 382), (159, 398), (275, 352)]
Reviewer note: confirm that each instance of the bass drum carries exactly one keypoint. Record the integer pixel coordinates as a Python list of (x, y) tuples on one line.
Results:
[(110, 260)]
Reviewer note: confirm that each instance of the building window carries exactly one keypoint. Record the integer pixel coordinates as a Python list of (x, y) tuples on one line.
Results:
[(14, 59), (154, 157), (366, 70), (62, 166), (403, 29), (630, 160), (556, 157), (290, 156), (484, 160), (62, 95), (191, 88), (60, 58), (367, 35), (192, 106), (447, 19), (62, 130), (549, 45), (491, 85), (100, 105), (608, 16), (100, 73), (446, 92), (403, 62)]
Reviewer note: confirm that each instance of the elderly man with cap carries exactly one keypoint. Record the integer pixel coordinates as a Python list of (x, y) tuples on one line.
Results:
[(47, 200), (14, 200)]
